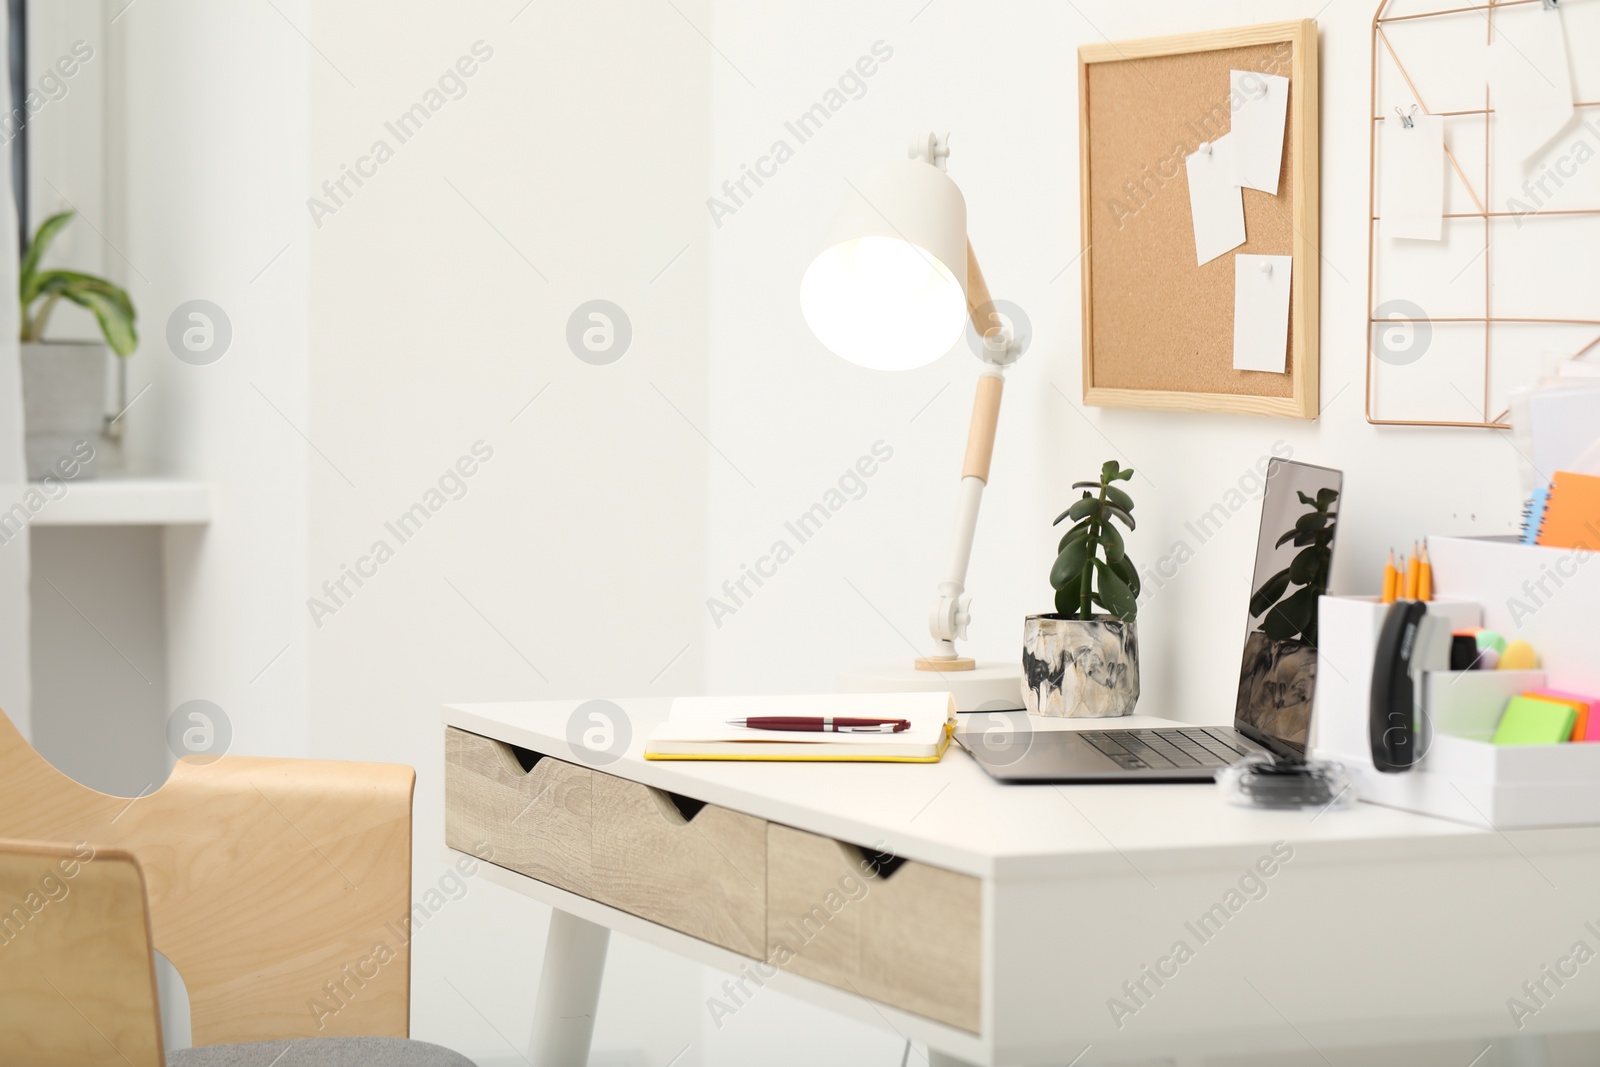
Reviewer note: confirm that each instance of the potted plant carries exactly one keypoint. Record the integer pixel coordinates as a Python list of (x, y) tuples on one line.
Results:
[(1280, 653), (1076, 662), (64, 382)]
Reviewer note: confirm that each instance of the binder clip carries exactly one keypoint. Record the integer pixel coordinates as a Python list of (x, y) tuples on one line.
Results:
[(1262, 780), (1408, 121)]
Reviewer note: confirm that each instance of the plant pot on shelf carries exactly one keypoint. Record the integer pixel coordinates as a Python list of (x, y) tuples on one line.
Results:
[(63, 402), (1080, 668)]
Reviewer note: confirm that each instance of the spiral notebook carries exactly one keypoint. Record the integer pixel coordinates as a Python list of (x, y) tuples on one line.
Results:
[(1566, 514), (697, 728)]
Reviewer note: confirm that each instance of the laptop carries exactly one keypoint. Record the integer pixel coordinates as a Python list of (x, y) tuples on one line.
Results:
[(1277, 676)]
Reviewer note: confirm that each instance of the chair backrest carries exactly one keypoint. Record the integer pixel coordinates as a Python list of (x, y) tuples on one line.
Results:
[(279, 888), (77, 977)]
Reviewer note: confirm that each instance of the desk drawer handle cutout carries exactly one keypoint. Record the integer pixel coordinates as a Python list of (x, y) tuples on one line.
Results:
[(881, 864), (676, 808), (526, 758)]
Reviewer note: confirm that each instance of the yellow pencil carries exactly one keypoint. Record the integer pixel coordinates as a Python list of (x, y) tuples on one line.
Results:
[(1413, 573), (1391, 580), (1425, 577)]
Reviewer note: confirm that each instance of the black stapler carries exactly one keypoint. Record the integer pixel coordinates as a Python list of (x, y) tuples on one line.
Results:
[(1411, 644)]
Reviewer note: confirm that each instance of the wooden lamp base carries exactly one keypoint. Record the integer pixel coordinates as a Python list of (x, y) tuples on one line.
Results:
[(953, 663)]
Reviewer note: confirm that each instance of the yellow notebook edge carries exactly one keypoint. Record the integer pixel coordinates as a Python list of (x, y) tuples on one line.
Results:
[(944, 744)]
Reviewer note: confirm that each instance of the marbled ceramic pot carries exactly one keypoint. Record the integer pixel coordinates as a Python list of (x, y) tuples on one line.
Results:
[(1080, 668)]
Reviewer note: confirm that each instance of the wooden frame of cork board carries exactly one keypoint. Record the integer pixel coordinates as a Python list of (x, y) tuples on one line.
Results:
[(1157, 329)]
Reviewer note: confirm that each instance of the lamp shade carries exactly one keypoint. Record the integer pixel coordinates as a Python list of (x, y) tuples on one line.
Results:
[(888, 291)]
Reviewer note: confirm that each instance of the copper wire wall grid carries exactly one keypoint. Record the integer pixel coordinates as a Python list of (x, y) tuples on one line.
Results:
[(1488, 318)]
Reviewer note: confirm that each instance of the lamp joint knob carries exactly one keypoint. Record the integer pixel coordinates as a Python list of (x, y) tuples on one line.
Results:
[(931, 148)]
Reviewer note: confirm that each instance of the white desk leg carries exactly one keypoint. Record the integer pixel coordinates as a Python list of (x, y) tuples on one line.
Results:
[(942, 1059), (569, 989), (1526, 1050)]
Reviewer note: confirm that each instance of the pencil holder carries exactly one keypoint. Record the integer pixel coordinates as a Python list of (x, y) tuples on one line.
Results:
[(1548, 597), (1459, 773), (1348, 629)]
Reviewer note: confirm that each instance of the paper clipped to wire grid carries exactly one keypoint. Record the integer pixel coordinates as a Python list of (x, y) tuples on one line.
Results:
[(1530, 79), (1411, 199), (1565, 428)]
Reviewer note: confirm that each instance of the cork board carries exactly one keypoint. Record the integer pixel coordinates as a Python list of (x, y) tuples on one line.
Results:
[(1157, 329)]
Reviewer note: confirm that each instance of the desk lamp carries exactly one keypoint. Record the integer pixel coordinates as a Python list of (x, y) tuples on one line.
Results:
[(892, 289)]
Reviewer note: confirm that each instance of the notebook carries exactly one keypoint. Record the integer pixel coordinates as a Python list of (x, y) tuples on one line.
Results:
[(1533, 514), (696, 728), (1565, 425), (1570, 513)]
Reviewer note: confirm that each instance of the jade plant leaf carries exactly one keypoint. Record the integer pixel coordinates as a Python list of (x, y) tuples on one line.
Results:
[(1287, 602), (1069, 564), (1128, 573), (1118, 598), (1112, 541), (1091, 568), (1268, 594)]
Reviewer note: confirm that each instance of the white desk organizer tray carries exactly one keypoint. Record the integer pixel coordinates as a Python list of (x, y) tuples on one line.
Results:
[(1461, 775)]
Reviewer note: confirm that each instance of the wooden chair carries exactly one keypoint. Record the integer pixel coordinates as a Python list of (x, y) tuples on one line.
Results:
[(77, 981), (278, 888)]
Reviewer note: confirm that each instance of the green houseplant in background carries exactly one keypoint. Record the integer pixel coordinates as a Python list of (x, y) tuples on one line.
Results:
[(1076, 662), (64, 382)]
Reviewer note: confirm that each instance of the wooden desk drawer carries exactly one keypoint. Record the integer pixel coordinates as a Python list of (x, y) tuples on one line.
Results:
[(698, 868), (536, 821), (909, 937)]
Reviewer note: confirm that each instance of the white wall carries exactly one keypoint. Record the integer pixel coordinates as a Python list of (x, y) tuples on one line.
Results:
[(583, 554), (99, 650), (100, 655), (210, 146), (571, 169), (1002, 79), (179, 137), (429, 309)]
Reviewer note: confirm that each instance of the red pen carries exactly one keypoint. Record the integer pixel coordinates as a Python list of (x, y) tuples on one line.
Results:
[(816, 724)]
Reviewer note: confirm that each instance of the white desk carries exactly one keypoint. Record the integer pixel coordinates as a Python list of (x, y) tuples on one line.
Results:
[(1375, 926)]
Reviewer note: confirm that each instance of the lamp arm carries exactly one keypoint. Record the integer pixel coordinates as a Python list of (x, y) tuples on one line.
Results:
[(980, 306), (947, 621)]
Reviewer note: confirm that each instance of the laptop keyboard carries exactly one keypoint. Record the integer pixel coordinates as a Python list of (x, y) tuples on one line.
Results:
[(1159, 749)]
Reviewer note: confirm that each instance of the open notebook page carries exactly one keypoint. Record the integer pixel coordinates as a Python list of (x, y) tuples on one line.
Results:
[(705, 718)]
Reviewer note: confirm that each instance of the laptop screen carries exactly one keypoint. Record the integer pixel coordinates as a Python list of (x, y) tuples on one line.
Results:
[(1294, 554)]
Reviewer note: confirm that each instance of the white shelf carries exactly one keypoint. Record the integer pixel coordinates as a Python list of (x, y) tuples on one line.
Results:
[(128, 502)]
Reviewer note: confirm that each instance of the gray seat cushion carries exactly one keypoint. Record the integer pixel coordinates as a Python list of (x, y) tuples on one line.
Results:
[(321, 1052)]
